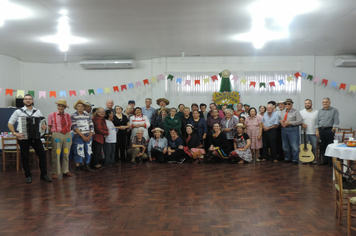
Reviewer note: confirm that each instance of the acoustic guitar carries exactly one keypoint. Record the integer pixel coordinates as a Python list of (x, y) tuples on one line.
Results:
[(305, 151)]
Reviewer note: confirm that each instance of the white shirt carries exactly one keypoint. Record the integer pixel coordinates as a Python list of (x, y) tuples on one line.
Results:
[(18, 113), (309, 118), (111, 138)]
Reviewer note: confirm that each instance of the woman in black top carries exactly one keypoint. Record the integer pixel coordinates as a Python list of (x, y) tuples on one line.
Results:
[(121, 123), (220, 147), (192, 142)]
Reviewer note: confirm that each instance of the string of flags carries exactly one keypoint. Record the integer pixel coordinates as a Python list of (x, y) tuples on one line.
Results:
[(155, 79)]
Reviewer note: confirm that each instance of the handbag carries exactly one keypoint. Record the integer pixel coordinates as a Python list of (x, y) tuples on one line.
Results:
[(197, 153)]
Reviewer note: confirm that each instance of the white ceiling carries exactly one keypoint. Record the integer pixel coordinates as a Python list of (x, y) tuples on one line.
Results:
[(145, 29)]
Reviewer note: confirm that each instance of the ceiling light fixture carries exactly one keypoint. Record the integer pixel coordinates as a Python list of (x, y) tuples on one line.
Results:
[(63, 37), (10, 11), (281, 14)]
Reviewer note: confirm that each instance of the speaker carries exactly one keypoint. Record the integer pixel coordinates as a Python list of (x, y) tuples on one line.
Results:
[(19, 102)]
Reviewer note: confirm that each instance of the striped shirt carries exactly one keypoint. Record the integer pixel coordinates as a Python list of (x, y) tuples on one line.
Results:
[(82, 122), (24, 112)]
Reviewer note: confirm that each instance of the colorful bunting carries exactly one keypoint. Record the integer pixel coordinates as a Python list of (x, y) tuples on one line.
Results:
[(107, 90), (243, 81), (41, 94), (91, 91), (281, 82), (316, 80), (153, 79), (160, 77), (310, 77), (352, 88), (123, 87), (303, 75), (179, 80), (32, 93), (170, 77), (234, 78), (116, 88), (272, 84), (187, 82), (297, 75), (214, 77), (52, 94), (62, 94), (263, 84), (253, 83), (20, 93), (342, 86), (145, 82), (9, 92), (138, 84), (333, 84), (83, 92), (130, 86), (206, 80), (325, 81), (197, 81), (72, 93), (289, 78), (99, 91)]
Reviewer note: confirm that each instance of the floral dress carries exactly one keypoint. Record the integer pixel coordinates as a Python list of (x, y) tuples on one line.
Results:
[(253, 131), (241, 142)]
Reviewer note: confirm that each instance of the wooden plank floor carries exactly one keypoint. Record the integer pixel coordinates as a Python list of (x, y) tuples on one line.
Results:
[(206, 199)]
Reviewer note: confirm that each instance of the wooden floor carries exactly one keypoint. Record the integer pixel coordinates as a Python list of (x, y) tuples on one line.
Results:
[(171, 199)]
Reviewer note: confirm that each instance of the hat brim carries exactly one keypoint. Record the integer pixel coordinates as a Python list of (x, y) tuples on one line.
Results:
[(162, 99), (62, 104)]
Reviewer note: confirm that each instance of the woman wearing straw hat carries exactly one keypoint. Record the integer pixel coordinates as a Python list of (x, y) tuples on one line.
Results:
[(60, 123), (162, 114), (157, 146), (242, 144)]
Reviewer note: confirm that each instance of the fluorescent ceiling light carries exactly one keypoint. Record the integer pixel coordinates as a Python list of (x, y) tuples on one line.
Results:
[(63, 37), (10, 11), (281, 12)]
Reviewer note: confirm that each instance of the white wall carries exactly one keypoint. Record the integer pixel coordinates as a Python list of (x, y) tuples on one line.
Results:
[(10, 77)]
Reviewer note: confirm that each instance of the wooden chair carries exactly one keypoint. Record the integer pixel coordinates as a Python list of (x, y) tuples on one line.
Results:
[(46, 145), (344, 129), (350, 203), (340, 193), (10, 146), (344, 138)]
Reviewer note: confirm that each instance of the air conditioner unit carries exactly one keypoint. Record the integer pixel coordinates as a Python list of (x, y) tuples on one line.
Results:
[(345, 61), (107, 64)]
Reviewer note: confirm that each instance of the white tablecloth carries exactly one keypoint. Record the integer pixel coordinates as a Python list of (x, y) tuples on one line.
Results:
[(338, 136), (341, 151)]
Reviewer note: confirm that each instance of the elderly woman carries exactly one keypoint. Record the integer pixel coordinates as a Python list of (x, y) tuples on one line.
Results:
[(128, 112), (242, 143), (138, 146), (122, 125), (172, 122), (175, 147), (228, 125), (262, 110), (203, 110), (157, 146), (139, 121), (254, 130), (160, 119), (219, 146), (180, 110), (192, 144), (83, 128), (110, 140), (214, 118), (101, 132), (184, 120), (199, 125)]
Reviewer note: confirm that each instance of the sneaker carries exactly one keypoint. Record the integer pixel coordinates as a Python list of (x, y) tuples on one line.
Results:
[(181, 160)]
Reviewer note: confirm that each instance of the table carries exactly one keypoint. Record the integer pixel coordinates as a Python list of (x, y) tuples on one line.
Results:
[(338, 136), (341, 151)]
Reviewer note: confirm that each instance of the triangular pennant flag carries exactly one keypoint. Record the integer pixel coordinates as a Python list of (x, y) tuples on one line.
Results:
[(197, 81), (170, 77), (310, 77), (272, 84), (62, 94), (243, 81), (352, 88), (281, 82), (116, 88), (9, 92), (316, 80), (32, 93), (289, 78), (179, 80), (297, 75), (83, 92), (138, 84), (220, 74), (107, 90), (342, 86), (333, 84), (20, 93), (206, 80), (263, 84), (145, 82), (153, 79), (41, 94), (130, 86), (52, 94), (253, 83), (160, 77), (72, 92), (0, 90), (91, 91), (123, 87), (99, 91), (214, 77), (303, 75), (325, 81), (234, 78), (187, 82)]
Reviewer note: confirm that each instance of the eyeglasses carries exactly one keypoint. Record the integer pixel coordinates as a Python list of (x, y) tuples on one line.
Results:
[(288, 103)]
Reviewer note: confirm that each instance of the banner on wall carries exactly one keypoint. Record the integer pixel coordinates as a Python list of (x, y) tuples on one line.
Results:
[(226, 98)]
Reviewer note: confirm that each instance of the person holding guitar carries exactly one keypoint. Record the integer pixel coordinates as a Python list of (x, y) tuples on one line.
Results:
[(309, 116)]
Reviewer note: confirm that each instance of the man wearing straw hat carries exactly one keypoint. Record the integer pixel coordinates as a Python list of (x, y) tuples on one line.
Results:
[(60, 124)]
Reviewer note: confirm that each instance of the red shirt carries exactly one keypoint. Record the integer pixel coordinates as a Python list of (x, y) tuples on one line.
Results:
[(55, 120), (100, 129)]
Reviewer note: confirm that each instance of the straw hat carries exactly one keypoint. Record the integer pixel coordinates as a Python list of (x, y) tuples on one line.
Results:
[(280, 102), (157, 129), (62, 102), (162, 99), (80, 102), (163, 109), (225, 74), (240, 125)]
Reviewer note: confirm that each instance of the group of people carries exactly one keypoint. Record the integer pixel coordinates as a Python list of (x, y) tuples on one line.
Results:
[(105, 136)]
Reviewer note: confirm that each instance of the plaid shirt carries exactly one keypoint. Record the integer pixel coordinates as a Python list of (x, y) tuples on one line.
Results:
[(100, 129), (135, 141)]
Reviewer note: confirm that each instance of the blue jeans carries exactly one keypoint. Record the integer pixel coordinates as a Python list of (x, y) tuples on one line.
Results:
[(81, 150), (312, 139), (290, 143)]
